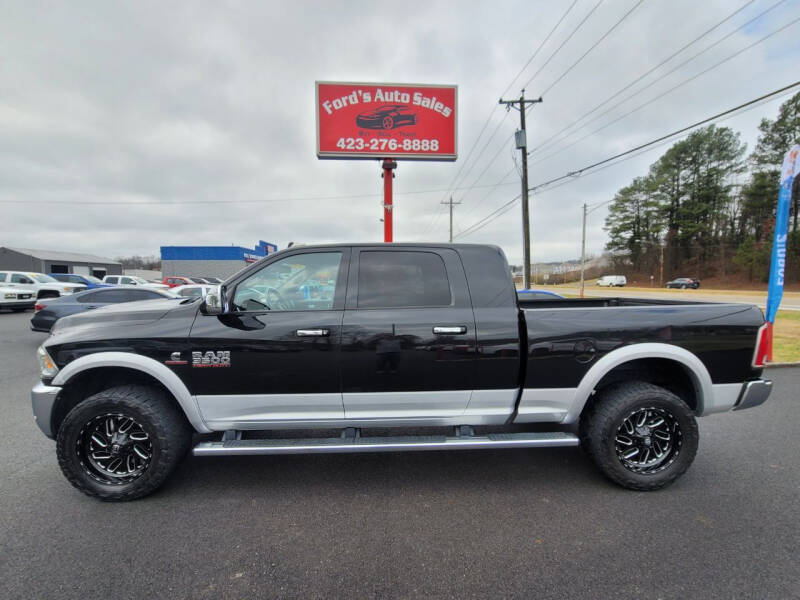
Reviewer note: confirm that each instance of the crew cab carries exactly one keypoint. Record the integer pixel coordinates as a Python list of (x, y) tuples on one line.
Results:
[(428, 341), (38, 284)]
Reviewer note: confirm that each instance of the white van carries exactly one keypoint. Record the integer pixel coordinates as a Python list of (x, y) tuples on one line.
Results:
[(612, 281)]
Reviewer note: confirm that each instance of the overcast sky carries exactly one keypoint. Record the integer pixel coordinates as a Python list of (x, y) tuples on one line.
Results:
[(125, 126)]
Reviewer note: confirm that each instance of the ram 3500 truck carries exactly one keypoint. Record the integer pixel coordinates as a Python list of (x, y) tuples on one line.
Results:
[(427, 341)]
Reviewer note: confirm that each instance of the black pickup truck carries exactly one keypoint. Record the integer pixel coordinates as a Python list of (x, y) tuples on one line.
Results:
[(428, 342)]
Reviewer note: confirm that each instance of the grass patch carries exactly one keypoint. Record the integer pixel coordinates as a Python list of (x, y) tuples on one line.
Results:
[(786, 340)]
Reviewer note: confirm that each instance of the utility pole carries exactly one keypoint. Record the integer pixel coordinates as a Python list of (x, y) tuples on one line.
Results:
[(521, 104), (583, 246), (451, 203)]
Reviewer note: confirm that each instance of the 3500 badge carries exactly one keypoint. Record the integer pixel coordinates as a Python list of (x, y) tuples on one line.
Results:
[(210, 358)]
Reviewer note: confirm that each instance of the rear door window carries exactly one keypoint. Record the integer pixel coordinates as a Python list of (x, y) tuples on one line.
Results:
[(402, 280)]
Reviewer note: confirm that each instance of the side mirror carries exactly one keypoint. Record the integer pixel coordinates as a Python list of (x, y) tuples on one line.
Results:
[(214, 303)]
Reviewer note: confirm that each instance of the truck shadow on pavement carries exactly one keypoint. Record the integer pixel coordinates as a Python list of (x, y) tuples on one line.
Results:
[(456, 471)]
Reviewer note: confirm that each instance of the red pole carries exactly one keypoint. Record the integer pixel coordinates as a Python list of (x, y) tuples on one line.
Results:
[(388, 166)]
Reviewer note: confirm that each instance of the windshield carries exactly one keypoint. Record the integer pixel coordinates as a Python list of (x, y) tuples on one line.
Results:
[(91, 279), (41, 278)]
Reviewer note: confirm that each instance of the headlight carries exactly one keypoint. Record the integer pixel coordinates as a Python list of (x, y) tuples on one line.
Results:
[(46, 364), (10, 296), (67, 289)]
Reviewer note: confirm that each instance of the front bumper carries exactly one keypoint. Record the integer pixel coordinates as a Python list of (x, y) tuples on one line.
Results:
[(43, 398), (18, 304), (754, 393)]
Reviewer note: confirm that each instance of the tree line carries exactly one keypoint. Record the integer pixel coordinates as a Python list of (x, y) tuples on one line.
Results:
[(706, 208)]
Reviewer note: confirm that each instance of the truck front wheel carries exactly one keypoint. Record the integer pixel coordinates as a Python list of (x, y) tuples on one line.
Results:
[(122, 443), (640, 435)]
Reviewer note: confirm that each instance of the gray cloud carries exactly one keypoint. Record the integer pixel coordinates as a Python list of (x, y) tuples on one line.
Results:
[(195, 121)]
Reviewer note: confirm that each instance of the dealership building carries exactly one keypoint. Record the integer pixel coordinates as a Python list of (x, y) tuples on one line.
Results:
[(50, 261), (211, 261)]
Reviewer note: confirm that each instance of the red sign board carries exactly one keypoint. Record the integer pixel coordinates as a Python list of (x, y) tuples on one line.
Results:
[(385, 120)]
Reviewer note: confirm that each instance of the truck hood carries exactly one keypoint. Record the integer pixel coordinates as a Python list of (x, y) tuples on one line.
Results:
[(127, 313)]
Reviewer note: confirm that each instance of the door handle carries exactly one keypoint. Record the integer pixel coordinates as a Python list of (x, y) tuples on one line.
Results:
[(313, 332), (447, 330)]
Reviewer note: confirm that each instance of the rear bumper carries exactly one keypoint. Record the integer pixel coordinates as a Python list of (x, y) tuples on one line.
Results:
[(43, 398), (754, 393)]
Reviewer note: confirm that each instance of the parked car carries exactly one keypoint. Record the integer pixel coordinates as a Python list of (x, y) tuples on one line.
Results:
[(50, 311), (174, 281), (132, 280), (16, 300), (192, 291), (537, 295), (212, 280), (682, 283), (612, 281), (39, 284), (406, 335), (89, 281)]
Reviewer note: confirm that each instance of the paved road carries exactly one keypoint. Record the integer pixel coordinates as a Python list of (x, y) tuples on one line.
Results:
[(507, 523), (791, 300)]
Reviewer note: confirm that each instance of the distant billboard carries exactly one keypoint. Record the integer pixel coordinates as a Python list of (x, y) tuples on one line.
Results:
[(386, 120)]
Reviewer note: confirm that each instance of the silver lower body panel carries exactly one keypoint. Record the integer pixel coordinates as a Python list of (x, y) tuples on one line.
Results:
[(383, 444)]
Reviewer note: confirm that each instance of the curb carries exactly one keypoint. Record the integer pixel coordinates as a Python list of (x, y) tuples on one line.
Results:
[(781, 365)]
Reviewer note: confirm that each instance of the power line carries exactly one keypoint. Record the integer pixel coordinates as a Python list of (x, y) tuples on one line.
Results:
[(672, 89), (552, 31), (564, 74), (494, 107), (244, 201), (592, 47), (568, 38), (487, 219), (605, 163), (643, 75), (579, 172)]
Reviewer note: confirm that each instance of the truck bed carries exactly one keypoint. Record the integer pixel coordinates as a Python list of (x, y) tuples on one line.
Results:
[(566, 337)]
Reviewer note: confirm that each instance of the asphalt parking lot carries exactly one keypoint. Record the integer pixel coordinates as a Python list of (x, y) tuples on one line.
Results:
[(506, 523)]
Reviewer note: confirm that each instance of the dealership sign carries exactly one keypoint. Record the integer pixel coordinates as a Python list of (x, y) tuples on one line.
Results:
[(382, 120)]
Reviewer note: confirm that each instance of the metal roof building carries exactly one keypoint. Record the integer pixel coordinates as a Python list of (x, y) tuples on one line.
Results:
[(211, 261), (51, 261)]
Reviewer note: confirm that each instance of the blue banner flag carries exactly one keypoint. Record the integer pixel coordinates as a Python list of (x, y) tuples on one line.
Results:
[(777, 270)]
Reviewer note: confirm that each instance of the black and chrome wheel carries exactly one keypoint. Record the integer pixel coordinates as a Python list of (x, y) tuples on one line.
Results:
[(114, 448), (640, 435), (122, 443), (648, 440)]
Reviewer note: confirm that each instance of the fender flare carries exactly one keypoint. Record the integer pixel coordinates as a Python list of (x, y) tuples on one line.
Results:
[(146, 365), (701, 380)]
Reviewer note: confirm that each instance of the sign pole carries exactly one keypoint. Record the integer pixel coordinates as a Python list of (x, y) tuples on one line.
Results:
[(388, 167)]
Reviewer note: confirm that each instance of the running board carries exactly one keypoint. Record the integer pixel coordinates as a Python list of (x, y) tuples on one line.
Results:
[(234, 447)]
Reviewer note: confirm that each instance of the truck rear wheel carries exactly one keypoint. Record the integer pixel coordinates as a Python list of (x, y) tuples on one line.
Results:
[(640, 435), (122, 443)]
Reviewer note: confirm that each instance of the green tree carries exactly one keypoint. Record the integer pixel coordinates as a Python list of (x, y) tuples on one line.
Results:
[(774, 140)]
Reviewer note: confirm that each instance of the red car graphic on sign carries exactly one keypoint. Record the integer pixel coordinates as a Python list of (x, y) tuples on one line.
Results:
[(387, 117)]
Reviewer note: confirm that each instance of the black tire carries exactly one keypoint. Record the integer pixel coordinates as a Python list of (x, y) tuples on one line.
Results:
[(683, 286), (168, 440), (604, 438)]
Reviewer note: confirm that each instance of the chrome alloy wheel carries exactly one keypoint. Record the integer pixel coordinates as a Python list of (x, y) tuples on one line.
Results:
[(648, 440), (114, 449)]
